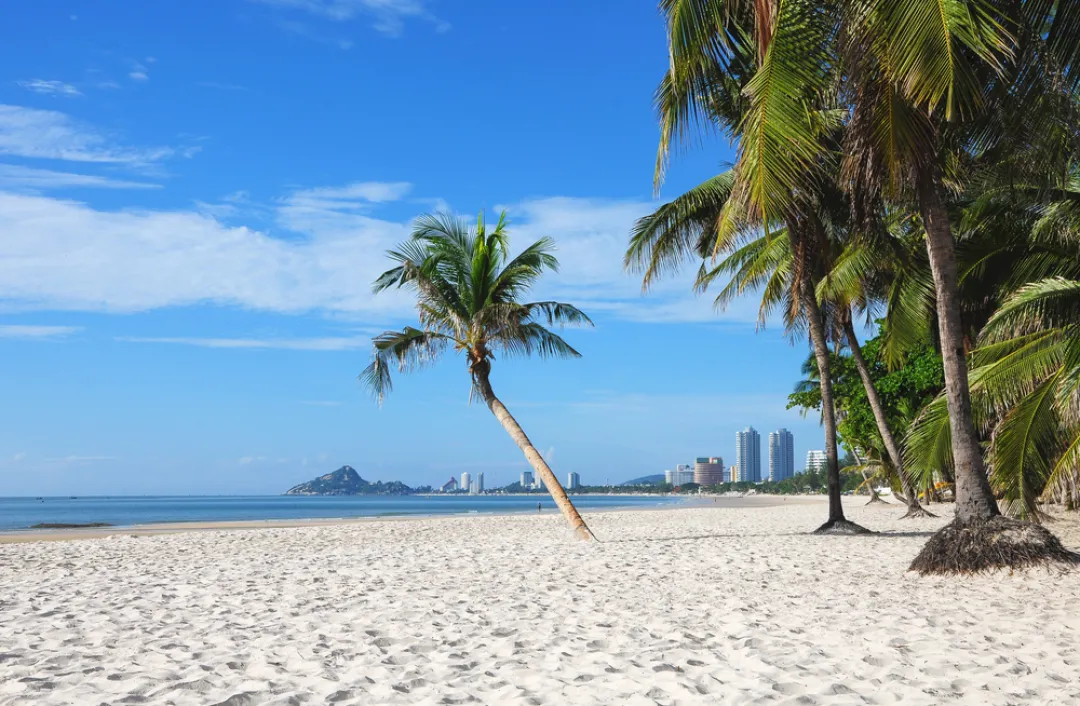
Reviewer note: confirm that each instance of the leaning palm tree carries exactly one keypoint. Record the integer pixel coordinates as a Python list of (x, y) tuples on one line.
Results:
[(469, 292)]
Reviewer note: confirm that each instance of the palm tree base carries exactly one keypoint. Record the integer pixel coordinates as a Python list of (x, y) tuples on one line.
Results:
[(966, 547), (841, 527), (917, 512), (877, 499)]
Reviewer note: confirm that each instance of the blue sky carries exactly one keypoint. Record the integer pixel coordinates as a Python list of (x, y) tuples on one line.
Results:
[(195, 198)]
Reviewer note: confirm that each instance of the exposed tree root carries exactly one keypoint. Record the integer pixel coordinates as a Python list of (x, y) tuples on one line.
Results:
[(875, 498), (998, 543), (917, 511), (841, 527)]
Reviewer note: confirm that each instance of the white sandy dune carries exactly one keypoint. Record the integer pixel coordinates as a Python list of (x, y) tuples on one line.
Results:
[(684, 606)]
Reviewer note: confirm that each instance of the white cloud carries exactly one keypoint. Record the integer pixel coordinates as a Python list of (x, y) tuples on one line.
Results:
[(64, 255), (50, 88), (29, 179), (38, 332), (388, 16), (49, 134), (291, 344), (591, 236)]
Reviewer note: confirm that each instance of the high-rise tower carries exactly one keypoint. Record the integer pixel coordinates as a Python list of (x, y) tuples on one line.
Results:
[(781, 455), (748, 454)]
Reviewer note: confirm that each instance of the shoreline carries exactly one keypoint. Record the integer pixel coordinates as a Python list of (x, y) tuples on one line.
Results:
[(25, 536)]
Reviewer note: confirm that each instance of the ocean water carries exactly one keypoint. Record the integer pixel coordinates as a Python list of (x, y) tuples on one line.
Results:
[(21, 513)]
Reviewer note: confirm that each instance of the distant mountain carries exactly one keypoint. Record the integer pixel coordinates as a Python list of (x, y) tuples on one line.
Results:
[(346, 481), (646, 480)]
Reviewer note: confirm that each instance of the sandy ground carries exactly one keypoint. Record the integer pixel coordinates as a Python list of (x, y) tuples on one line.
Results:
[(712, 605)]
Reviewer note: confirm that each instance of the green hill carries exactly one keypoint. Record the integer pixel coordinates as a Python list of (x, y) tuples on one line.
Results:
[(346, 481)]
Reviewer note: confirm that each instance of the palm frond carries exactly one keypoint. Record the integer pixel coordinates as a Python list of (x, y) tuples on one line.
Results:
[(1021, 449), (925, 46), (928, 445), (407, 350), (1049, 303), (680, 229), (780, 143), (533, 339)]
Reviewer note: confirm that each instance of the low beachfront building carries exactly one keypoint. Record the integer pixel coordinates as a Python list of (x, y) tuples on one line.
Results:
[(709, 470)]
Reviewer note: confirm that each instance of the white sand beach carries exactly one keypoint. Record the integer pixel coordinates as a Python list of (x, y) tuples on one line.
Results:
[(678, 606)]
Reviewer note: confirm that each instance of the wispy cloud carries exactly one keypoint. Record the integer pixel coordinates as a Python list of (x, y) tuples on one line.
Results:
[(50, 88), (249, 460), (290, 344), (591, 239), (387, 16), (76, 460), (221, 86), (29, 333), (139, 72), (49, 134), (29, 179)]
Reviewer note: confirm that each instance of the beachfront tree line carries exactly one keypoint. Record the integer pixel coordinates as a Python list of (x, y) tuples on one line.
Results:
[(909, 159)]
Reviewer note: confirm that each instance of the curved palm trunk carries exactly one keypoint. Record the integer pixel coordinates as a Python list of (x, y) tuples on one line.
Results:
[(543, 471), (974, 498), (807, 299), (891, 447), (874, 496)]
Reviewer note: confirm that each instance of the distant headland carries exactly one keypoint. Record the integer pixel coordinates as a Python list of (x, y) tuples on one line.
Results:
[(346, 481)]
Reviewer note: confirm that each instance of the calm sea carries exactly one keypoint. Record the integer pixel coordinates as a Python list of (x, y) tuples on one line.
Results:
[(21, 513)]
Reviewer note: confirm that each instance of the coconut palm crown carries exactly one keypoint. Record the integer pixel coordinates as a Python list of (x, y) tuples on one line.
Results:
[(468, 293)]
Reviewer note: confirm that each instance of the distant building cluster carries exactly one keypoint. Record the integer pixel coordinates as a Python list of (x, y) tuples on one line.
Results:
[(682, 475), (709, 470), (474, 483)]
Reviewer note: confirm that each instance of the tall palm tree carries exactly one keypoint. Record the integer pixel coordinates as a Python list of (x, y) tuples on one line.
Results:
[(782, 263), (469, 292)]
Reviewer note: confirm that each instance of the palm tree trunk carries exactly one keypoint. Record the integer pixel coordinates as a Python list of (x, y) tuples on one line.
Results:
[(874, 496), (481, 374), (891, 447), (974, 499), (807, 299), (980, 537)]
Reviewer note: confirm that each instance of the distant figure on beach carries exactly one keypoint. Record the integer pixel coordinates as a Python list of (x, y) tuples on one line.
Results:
[(539, 507)]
